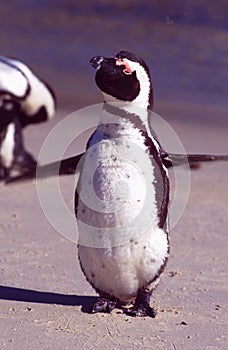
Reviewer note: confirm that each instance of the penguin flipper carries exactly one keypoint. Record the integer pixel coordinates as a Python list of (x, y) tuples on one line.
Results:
[(66, 166), (173, 159), (69, 166)]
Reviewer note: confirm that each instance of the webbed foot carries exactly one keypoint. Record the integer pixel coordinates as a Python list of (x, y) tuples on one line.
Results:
[(141, 311), (103, 305), (141, 307)]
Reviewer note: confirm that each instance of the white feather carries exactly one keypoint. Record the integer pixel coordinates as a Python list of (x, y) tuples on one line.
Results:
[(122, 271), (11, 79)]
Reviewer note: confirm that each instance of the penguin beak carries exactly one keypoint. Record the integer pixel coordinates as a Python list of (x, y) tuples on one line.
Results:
[(96, 62)]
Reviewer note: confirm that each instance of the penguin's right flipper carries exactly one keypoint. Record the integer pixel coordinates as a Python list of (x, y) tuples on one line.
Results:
[(172, 159)]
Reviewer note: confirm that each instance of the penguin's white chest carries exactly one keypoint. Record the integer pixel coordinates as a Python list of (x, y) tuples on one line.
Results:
[(121, 247)]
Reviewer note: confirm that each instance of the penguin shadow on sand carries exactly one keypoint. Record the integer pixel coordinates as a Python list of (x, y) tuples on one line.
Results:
[(41, 297)]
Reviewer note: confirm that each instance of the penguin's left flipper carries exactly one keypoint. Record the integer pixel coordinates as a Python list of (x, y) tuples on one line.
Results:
[(64, 167), (141, 307), (103, 305)]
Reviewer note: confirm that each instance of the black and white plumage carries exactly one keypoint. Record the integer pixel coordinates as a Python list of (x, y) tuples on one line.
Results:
[(123, 242), (24, 99)]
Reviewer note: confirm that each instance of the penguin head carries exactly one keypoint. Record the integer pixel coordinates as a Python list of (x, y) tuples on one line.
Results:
[(124, 78)]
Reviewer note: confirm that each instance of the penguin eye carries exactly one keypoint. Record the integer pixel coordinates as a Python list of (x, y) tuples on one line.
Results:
[(122, 62)]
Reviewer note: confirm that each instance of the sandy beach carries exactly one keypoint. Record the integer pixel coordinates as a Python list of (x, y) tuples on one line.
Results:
[(44, 297)]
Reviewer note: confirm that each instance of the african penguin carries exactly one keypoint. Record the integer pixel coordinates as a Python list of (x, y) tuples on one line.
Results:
[(122, 196), (24, 99)]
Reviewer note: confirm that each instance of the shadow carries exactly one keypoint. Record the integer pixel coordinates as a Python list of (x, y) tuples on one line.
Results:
[(33, 296)]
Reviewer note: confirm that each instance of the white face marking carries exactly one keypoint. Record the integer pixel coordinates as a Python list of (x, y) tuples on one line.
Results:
[(120, 62), (139, 105), (7, 146), (142, 100)]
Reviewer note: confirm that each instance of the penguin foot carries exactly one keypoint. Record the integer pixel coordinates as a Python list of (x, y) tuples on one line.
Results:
[(4, 173), (141, 311), (103, 305), (141, 306)]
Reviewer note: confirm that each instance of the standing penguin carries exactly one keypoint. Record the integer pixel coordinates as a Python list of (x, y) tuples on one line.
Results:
[(122, 196), (24, 99)]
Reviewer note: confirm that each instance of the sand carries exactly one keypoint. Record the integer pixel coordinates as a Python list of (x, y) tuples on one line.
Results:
[(45, 298)]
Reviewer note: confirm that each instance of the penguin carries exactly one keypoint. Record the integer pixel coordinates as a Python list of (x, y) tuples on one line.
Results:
[(24, 99), (122, 195)]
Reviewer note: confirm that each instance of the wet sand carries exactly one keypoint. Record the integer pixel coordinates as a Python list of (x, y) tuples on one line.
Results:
[(45, 298)]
